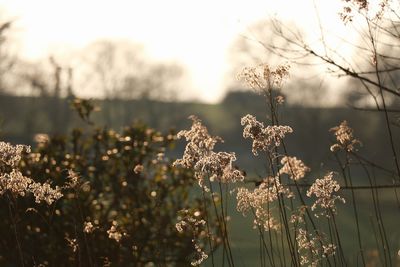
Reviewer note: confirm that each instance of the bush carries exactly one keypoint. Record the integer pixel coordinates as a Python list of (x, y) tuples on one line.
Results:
[(119, 206)]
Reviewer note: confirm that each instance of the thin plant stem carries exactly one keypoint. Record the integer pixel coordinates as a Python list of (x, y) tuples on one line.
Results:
[(14, 220), (375, 54), (343, 259), (284, 219), (221, 224), (208, 226), (263, 241), (349, 179), (224, 222)]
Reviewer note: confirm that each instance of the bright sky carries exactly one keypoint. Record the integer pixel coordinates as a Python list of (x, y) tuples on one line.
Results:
[(197, 34)]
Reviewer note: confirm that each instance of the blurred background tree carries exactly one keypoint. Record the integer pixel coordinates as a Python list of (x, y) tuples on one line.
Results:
[(8, 56), (120, 69)]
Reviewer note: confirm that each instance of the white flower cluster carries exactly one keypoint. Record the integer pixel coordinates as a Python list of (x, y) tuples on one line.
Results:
[(44, 192), (295, 168), (88, 227), (264, 138), (195, 225), (263, 78), (201, 255), (200, 143), (16, 183), (344, 137), (114, 233), (312, 248), (73, 179), (189, 221), (11, 155), (323, 189), (200, 156), (260, 200), (218, 166)]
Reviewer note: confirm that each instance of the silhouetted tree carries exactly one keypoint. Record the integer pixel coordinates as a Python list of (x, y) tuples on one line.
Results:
[(8, 58)]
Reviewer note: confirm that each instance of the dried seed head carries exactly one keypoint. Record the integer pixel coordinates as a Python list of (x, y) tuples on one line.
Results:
[(293, 167), (324, 189), (264, 138), (344, 137), (138, 169)]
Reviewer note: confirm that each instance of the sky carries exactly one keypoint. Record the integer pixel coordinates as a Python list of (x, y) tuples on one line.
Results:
[(196, 34)]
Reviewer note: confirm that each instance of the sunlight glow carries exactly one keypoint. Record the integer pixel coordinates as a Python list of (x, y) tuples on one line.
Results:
[(197, 34)]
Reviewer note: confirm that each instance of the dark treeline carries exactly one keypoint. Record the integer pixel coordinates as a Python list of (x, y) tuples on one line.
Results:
[(23, 117)]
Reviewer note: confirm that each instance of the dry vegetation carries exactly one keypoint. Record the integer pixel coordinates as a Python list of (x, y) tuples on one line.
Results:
[(102, 198)]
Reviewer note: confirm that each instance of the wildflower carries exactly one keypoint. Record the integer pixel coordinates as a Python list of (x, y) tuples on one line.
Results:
[(44, 192), (195, 225), (219, 166), (312, 248), (271, 188), (72, 243), (276, 134), (298, 216), (138, 168), (200, 143), (363, 6), (264, 138), (201, 255), (304, 242), (113, 233), (200, 156), (328, 250), (323, 189), (244, 199), (308, 245), (10, 154), (344, 137), (180, 225), (347, 14), (265, 219), (254, 129), (260, 200), (189, 221), (262, 78), (293, 167), (14, 182), (253, 77), (18, 184), (73, 178), (88, 227)]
